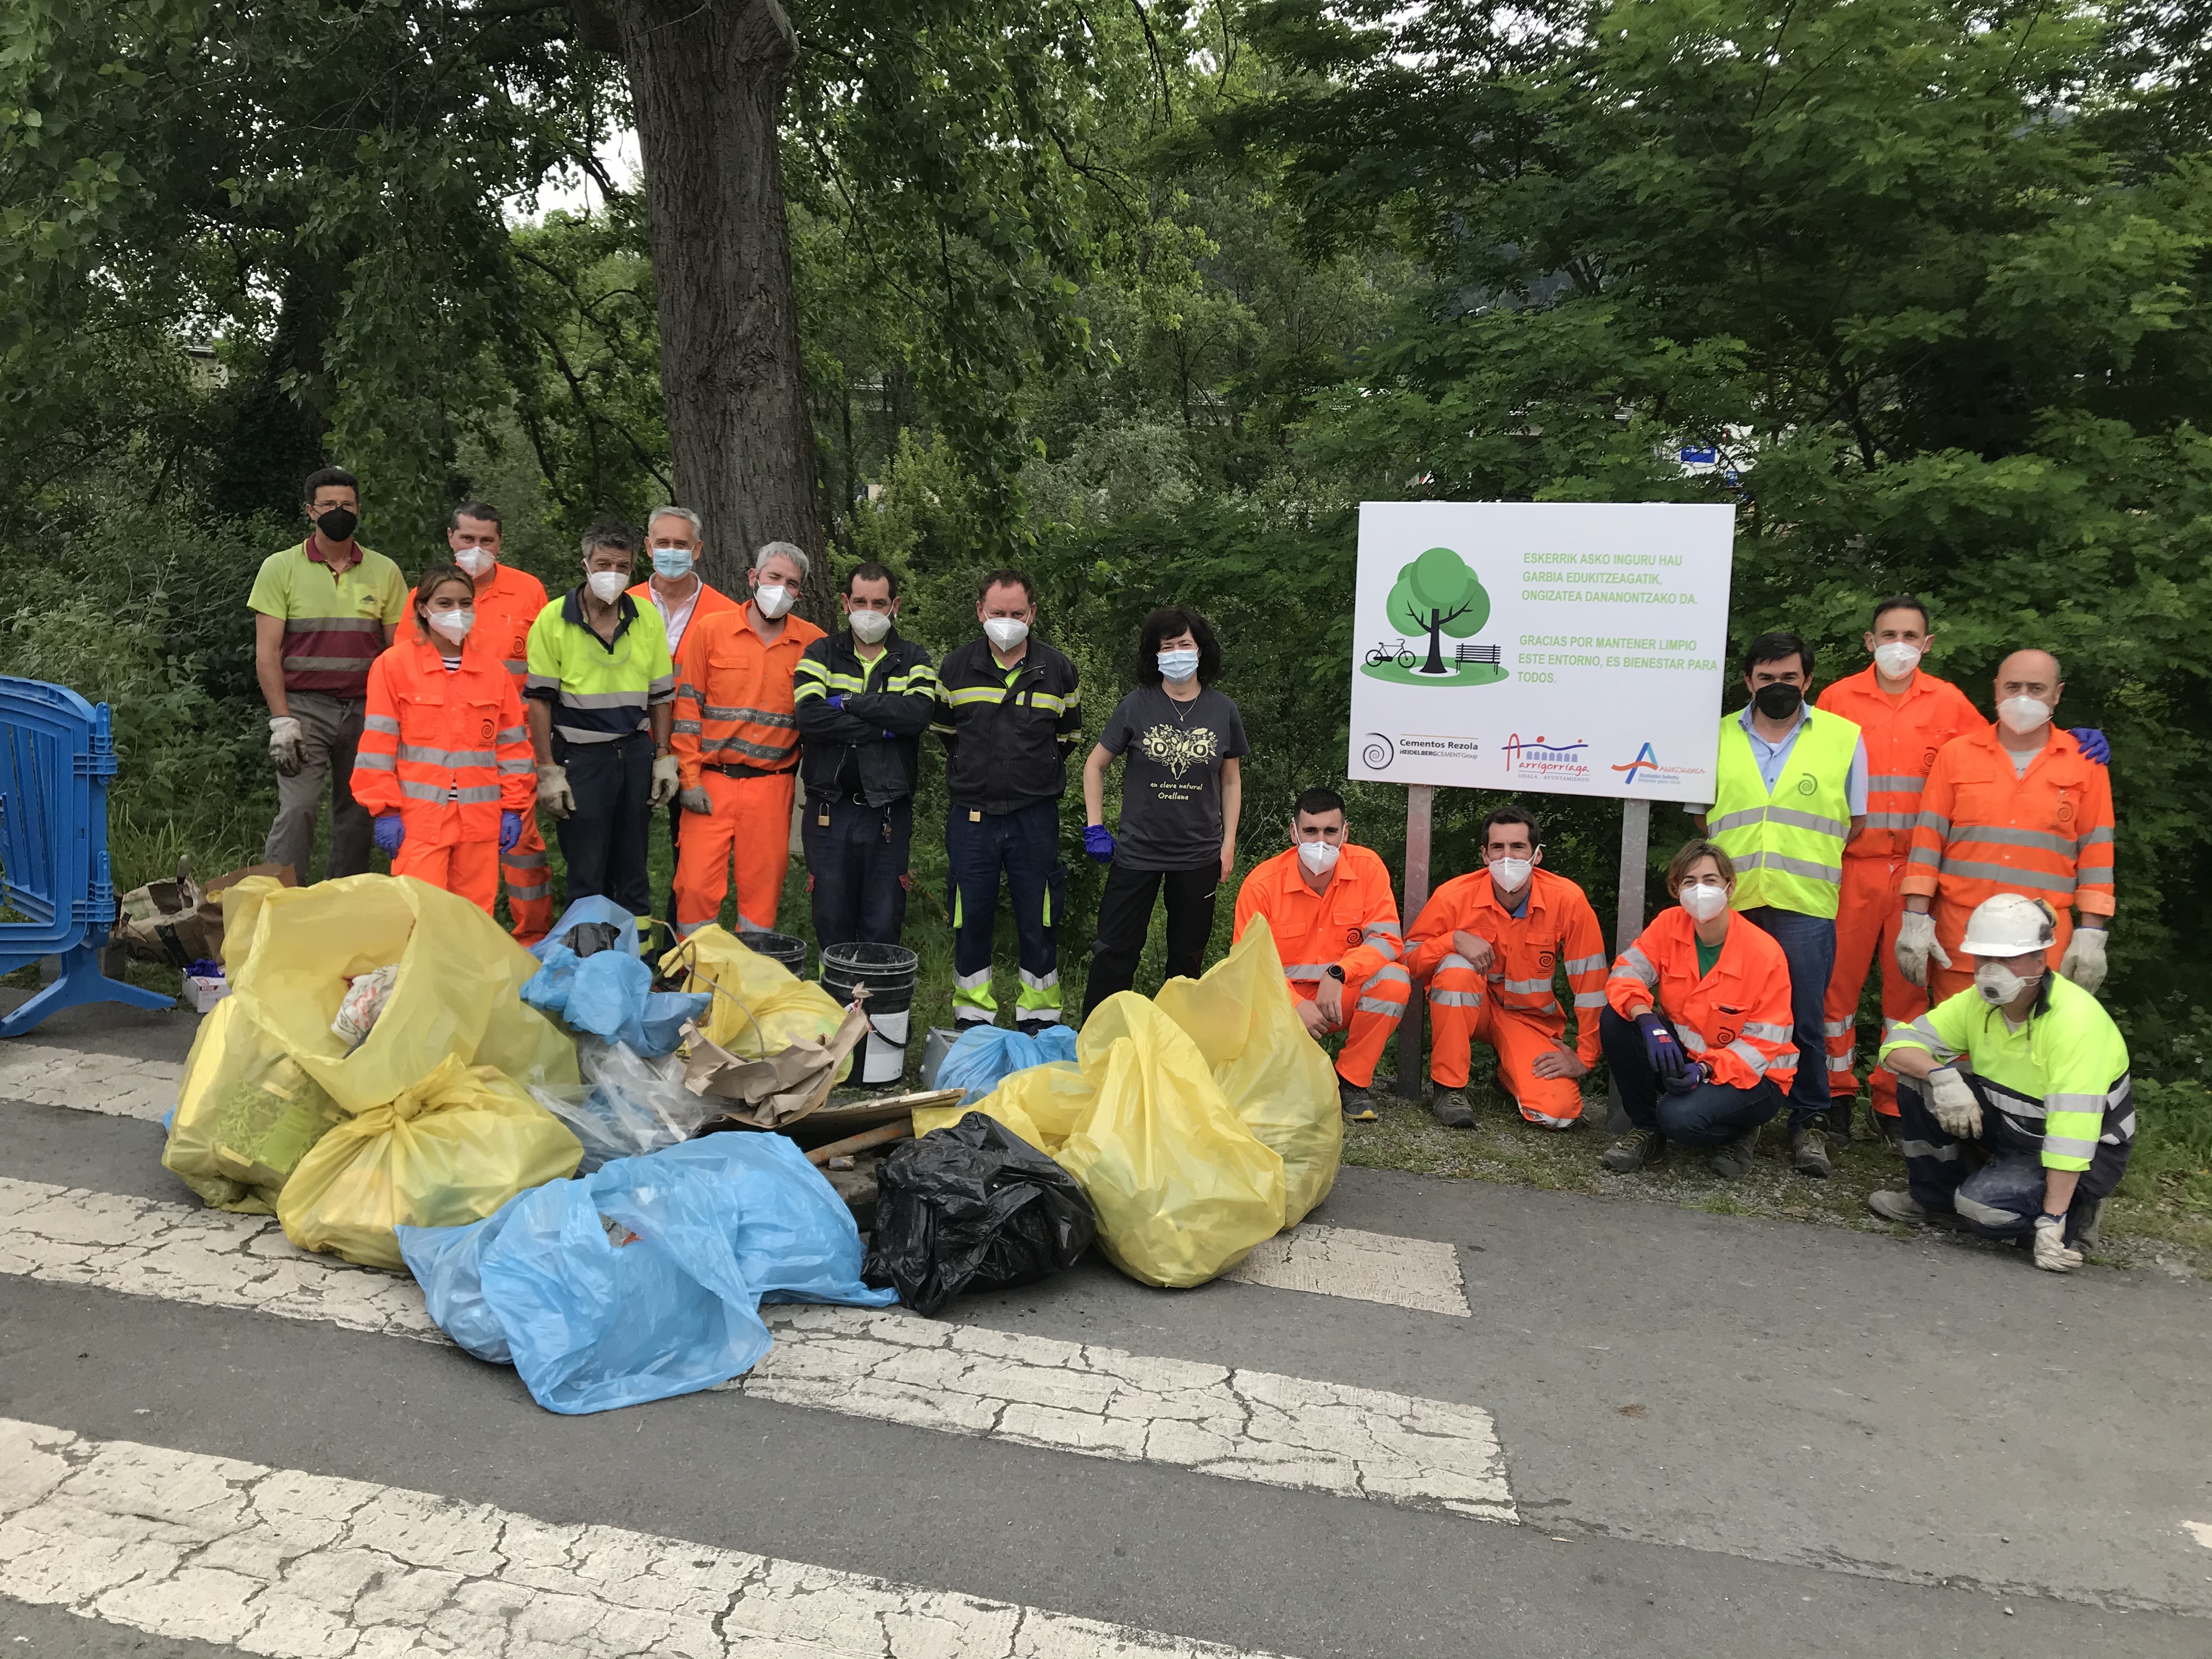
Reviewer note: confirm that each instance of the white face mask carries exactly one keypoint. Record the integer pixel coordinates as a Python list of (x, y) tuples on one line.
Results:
[(1006, 632), (2023, 714), (869, 627), (607, 585), (475, 560), (1319, 856), (1510, 875), (1897, 659), (773, 598), (2000, 986), (453, 624), (1178, 666), (1704, 902)]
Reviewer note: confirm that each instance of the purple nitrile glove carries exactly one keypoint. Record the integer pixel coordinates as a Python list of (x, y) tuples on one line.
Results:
[(2093, 743), (389, 832), (1660, 1047), (510, 830), (837, 700), (1695, 1075), (1098, 841)]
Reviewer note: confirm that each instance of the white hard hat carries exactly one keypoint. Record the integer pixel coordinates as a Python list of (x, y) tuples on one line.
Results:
[(2009, 925)]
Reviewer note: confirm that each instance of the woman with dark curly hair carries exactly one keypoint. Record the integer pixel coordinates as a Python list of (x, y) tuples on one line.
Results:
[(1180, 800)]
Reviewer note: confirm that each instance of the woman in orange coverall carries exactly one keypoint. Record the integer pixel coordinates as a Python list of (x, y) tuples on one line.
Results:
[(444, 763)]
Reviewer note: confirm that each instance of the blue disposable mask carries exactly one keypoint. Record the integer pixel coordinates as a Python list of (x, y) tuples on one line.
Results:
[(672, 563), (1178, 666)]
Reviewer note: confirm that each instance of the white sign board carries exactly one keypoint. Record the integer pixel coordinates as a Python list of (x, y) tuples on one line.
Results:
[(1563, 646)]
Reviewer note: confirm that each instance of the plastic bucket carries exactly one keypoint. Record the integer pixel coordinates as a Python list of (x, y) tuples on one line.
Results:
[(887, 973), (778, 947)]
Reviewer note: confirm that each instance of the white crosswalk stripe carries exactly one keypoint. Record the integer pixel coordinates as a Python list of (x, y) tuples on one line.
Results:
[(113, 1084), (300, 1566), (1081, 1398)]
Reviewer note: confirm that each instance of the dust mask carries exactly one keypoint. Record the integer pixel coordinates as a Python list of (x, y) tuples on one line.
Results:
[(1703, 902), (773, 598), (1897, 659), (1319, 857), (1999, 986), (1006, 632), (476, 561), (2023, 714), (607, 585), (1177, 667), (869, 627), (453, 624), (1510, 875)]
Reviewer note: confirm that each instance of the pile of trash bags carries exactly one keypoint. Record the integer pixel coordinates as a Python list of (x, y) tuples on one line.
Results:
[(984, 1056), (1198, 1124), (367, 1069), (595, 980)]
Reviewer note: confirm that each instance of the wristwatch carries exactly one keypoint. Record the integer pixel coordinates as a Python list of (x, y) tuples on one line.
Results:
[(1336, 972)]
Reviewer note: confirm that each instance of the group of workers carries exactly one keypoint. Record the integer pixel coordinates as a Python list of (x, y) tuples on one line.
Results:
[(1886, 820)]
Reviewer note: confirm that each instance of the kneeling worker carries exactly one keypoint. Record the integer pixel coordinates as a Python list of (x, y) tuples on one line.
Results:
[(1334, 919), (1697, 1031), (2027, 1067), (1487, 944)]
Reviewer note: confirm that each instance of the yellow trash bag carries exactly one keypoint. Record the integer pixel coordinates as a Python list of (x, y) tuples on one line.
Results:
[(245, 1115), (456, 996), (760, 1007), (1245, 1022), (241, 904), (447, 1151)]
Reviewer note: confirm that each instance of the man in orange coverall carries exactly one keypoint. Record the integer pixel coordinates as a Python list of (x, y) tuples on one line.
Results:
[(1487, 944), (737, 745), (1334, 920)]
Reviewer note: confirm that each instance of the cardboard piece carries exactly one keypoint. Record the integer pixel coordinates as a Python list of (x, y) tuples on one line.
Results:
[(180, 922), (768, 1093)]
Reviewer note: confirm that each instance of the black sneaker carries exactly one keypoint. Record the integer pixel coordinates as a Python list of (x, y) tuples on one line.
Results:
[(1809, 1152), (1359, 1105), (1633, 1151), (1034, 1029), (1449, 1108)]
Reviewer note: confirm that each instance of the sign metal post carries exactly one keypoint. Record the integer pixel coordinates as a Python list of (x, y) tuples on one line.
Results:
[(1628, 919), (1420, 806)]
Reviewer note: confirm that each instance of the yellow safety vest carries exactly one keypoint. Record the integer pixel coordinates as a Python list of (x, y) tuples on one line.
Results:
[(1787, 846)]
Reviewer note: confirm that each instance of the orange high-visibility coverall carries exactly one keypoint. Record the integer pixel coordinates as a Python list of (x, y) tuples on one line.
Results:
[(1903, 736), (1983, 832), (1514, 1009), (447, 750), (1352, 924), (1736, 1018), (737, 737)]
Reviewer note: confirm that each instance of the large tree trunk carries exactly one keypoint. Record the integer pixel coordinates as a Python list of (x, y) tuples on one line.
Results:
[(706, 83)]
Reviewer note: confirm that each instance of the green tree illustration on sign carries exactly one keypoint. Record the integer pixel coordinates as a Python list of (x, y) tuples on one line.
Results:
[(1438, 595)]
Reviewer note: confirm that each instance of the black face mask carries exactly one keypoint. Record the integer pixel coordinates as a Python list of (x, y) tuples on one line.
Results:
[(1777, 702), (338, 525)]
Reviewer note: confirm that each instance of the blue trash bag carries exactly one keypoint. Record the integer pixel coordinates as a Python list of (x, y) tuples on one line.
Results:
[(711, 1228), (609, 993), (986, 1055)]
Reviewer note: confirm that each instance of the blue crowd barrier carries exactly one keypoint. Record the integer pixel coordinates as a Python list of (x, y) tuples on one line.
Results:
[(56, 757)]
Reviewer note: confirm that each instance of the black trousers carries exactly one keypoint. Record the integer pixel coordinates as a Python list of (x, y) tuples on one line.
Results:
[(855, 855), (603, 842), (1125, 916)]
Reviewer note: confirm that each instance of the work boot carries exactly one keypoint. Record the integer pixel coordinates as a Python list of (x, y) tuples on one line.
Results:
[(1898, 1207), (1359, 1105), (1633, 1151), (1886, 1126), (1449, 1108), (2092, 1234), (1839, 1122), (1809, 1152), (1034, 1029), (1733, 1161)]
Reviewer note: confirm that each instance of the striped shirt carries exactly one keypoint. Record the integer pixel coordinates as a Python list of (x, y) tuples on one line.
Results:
[(334, 620)]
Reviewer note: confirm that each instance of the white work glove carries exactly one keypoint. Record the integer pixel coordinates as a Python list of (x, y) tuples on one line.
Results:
[(695, 801), (2084, 961), (2052, 1254), (667, 780), (1916, 942), (1951, 1098), (553, 792), (287, 746)]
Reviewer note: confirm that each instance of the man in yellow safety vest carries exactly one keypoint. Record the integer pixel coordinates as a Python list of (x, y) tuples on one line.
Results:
[(1790, 791)]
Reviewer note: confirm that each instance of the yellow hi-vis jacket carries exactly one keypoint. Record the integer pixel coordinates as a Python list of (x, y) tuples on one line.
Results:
[(1787, 846)]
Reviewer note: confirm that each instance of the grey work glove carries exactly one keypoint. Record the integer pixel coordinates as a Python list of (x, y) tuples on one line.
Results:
[(1916, 942), (695, 801), (1951, 1098), (667, 779), (2084, 961), (2052, 1253), (553, 792), (288, 744)]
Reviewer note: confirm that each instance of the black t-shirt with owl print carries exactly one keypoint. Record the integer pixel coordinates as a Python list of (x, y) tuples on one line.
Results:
[(1171, 793)]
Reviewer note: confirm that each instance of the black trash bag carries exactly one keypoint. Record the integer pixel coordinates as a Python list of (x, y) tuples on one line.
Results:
[(972, 1206), (588, 938)]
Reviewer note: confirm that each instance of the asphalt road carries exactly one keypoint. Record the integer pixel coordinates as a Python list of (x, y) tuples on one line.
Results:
[(1722, 1435)]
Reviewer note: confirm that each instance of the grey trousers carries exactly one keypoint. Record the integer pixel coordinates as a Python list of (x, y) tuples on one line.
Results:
[(330, 730)]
